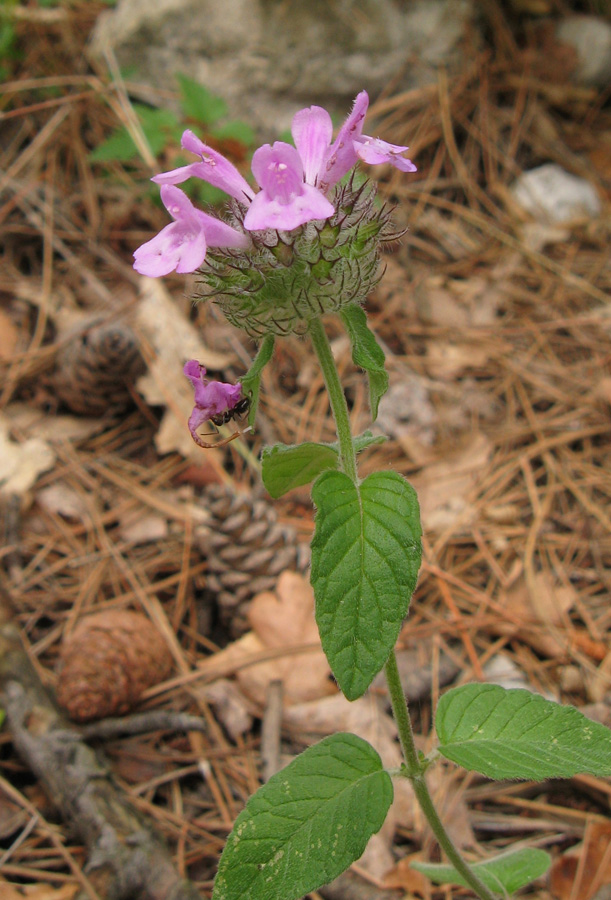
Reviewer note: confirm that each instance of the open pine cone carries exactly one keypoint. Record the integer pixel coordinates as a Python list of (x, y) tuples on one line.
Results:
[(246, 548)]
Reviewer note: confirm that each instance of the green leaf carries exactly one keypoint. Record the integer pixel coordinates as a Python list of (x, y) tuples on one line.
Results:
[(367, 354), (307, 824), (516, 734), (286, 467), (160, 126), (251, 382), (365, 557), (506, 873), (198, 103), (236, 130)]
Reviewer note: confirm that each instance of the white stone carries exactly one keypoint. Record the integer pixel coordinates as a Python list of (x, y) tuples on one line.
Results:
[(552, 195), (590, 37)]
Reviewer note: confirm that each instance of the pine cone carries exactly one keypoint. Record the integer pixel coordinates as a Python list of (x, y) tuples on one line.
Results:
[(108, 662), (95, 367), (246, 548)]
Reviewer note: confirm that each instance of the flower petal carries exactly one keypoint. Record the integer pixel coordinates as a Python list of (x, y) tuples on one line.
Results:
[(213, 168), (220, 234), (180, 245), (266, 212), (278, 170), (312, 132), (342, 155), (375, 151)]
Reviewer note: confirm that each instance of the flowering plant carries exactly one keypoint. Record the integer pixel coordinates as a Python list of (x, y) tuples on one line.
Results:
[(303, 245)]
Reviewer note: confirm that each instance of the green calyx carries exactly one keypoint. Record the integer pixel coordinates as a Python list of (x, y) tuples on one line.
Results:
[(289, 278)]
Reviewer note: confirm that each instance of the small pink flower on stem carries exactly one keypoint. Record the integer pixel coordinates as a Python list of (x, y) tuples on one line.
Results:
[(285, 200), (351, 144), (213, 399), (182, 244)]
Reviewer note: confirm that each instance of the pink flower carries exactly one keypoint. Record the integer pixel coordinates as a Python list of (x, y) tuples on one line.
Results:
[(212, 398), (294, 182), (182, 244), (285, 200), (351, 145), (213, 168)]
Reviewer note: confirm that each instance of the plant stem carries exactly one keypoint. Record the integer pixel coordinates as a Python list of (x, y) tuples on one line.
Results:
[(415, 772), (337, 399)]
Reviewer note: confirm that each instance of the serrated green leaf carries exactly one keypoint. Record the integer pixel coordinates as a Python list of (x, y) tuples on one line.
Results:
[(367, 354), (198, 103), (286, 467), (251, 382), (516, 734), (365, 558), (506, 873), (307, 824)]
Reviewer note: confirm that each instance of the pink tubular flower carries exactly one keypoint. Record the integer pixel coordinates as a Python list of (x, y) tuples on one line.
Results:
[(182, 244), (351, 145), (285, 200), (213, 168), (212, 398)]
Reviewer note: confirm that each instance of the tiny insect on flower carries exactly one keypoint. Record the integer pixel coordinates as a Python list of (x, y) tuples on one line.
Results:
[(215, 401)]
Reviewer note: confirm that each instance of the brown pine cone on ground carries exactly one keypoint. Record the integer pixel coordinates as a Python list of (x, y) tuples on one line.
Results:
[(96, 366), (246, 548), (107, 663)]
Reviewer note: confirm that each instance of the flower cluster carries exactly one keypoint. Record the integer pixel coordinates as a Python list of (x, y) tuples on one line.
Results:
[(294, 186)]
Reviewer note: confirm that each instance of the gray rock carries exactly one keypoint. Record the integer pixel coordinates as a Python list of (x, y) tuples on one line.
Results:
[(267, 58), (550, 194), (590, 36)]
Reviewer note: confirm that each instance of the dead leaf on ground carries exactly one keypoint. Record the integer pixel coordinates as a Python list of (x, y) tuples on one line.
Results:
[(404, 878), (583, 870), (21, 463), (50, 427), (280, 621), (538, 615), (444, 487)]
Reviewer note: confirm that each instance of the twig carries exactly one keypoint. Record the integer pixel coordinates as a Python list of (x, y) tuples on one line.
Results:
[(125, 857), (141, 723)]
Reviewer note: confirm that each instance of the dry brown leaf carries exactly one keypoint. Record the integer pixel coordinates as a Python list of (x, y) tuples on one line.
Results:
[(443, 487), (280, 621), (230, 706), (447, 359), (50, 427), (403, 877), (137, 527), (580, 872), (21, 463), (61, 499)]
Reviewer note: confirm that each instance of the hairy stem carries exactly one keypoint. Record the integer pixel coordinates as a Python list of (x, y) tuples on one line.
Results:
[(414, 768), (415, 772), (339, 407)]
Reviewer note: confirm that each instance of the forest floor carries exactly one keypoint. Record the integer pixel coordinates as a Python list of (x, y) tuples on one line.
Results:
[(496, 328)]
